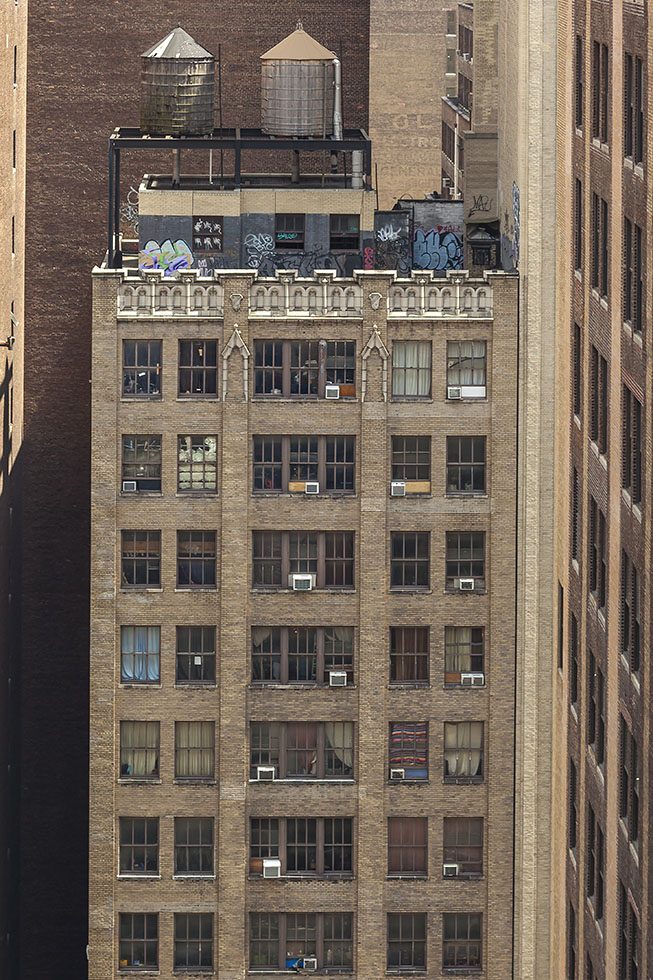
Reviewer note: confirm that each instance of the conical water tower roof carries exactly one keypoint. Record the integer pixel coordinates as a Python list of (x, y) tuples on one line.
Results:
[(298, 46), (177, 44)]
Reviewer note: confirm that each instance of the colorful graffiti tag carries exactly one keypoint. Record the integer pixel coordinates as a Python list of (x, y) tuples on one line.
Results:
[(437, 249), (168, 255)]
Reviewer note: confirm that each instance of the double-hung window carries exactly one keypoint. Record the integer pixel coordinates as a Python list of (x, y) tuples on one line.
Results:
[(464, 653), (406, 942), (409, 655), (194, 750), (194, 846), (466, 369), (327, 556), (139, 749), (463, 845), (303, 368), (462, 942), (411, 369), (409, 749), (197, 467), (407, 847), (141, 368), (141, 559), (195, 655), (306, 846), (303, 750), (466, 465), (138, 944), (193, 942), (140, 649), (196, 559), (281, 941), (410, 560), (286, 463), (141, 463), (411, 461), (139, 845), (198, 368), (465, 559), (301, 654), (463, 751)]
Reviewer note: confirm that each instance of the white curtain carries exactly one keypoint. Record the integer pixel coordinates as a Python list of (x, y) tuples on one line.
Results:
[(139, 748), (140, 653), (458, 645), (260, 634), (472, 362), (463, 747), (340, 738), (194, 748), (413, 359)]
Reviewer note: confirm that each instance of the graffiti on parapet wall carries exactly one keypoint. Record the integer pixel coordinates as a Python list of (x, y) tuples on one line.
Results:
[(438, 249), (257, 247), (129, 210), (392, 241), (168, 255)]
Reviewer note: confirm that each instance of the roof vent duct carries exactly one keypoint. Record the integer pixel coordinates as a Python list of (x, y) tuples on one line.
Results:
[(177, 87), (297, 88)]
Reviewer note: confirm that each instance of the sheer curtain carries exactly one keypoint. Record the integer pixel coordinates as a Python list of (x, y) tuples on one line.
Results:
[(463, 748), (194, 749), (472, 362), (458, 645), (140, 653), (340, 739), (139, 748)]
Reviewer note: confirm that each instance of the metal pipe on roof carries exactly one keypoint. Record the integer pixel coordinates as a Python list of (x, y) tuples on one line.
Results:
[(337, 99)]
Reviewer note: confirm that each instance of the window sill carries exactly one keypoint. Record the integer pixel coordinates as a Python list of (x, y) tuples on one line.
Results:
[(407, 877), (139, 781), (458, 686), (195, 685), (475, 591), (415, 686), (301, 781), (297, 686), (333, 878), (301, 494), (466, 876), (294, 399), (411, 399), (139, 493), (465, 494), (463, 780), (196, 493), (195, 588), (194, 781), (603, 300), (407, 779), (193, 877), (126, 589), (189, 397), (139, 877), (141, 398), (397, 590), (130, 685), (277, 590), (127, 971)]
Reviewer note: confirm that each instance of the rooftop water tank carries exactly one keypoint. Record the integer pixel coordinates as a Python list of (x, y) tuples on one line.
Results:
[(177, 87), (297, 87)]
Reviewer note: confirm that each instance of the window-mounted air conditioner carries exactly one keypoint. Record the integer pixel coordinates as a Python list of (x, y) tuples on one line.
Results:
[(332, 391), (397, 774), (264, 773), (302, 583), (338, 678), (466, 584), (454, 392), (450, 870), (398, 488), (473, 679), (271, 868), (129, 486), (312, 487), (310, 964)]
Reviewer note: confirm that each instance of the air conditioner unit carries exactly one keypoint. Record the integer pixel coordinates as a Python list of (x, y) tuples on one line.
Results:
[(398, 488), (271, 868), (454, 392), (302, 583), (397, 774), (450, 870), (129, 486), (265, 773), (466, 584), (310, 964), (338, 678), (474, 679), (312, 487), (332, 391)]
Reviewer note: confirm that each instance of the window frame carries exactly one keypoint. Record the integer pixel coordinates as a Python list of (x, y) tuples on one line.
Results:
[(184, 752), (453, 565), (203, 920), (408, 853), (150, 367), (180, 845), (281, 847), (289, 224), (151, 672), (193, 560), (200, 363), (150, 921), (312, 552), (476, 653), (300, 369), (404, 373), (277, 747), (208, 653), (461, 944), (347, 240), (466, 750), (411, 463), (456, 467), (466, 853), (149, 846), (129, 468), (280, 654), (410, 564), (409, 749), (278, 935), (320, 463), (408, 926), (194, 466), (152, 745), (145, 565), (406, 649)]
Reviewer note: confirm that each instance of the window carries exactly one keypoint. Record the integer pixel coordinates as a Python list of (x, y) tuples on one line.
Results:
[(286, 463), (409, 563), (462, 941), (629, 938), (465, 464), (634, 108), (281, 940), (463, 751), (406, 941), (630, 613), (577, 369), (467, 367), (465, 558), (409, 655), (303, 368), (631, 445), (140, 648), (629, 781), (194, 846), (197, 466), (139, 941), (572, 817), (409, 750), (600, 92), (599, 393), (141, 461), (303, 750), (464, 653), (141, 559), (411, 458), (344, 233), (141, 368), (194, 942), (289, 231), (328, 555), (301, 654), (600, 239), (306, 847), (573, 662), (407, 847), (575, 515), (139, 749), (139, 845), (633, 273), (463, 845), (595, 864), (596, 709), (194, 750), (198, 371), (598, 554), (411, 369), (195, 655), (579, 71), (196, 559), (578, 224)]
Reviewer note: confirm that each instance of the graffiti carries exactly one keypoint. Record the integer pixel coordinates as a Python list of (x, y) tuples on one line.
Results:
[(481, 204), (392, 241), (169, 256), (388, 233), (516, 217), (368, 257), (129, 210), (306, 263), (207, 234), (437, 249), (257, 248)]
